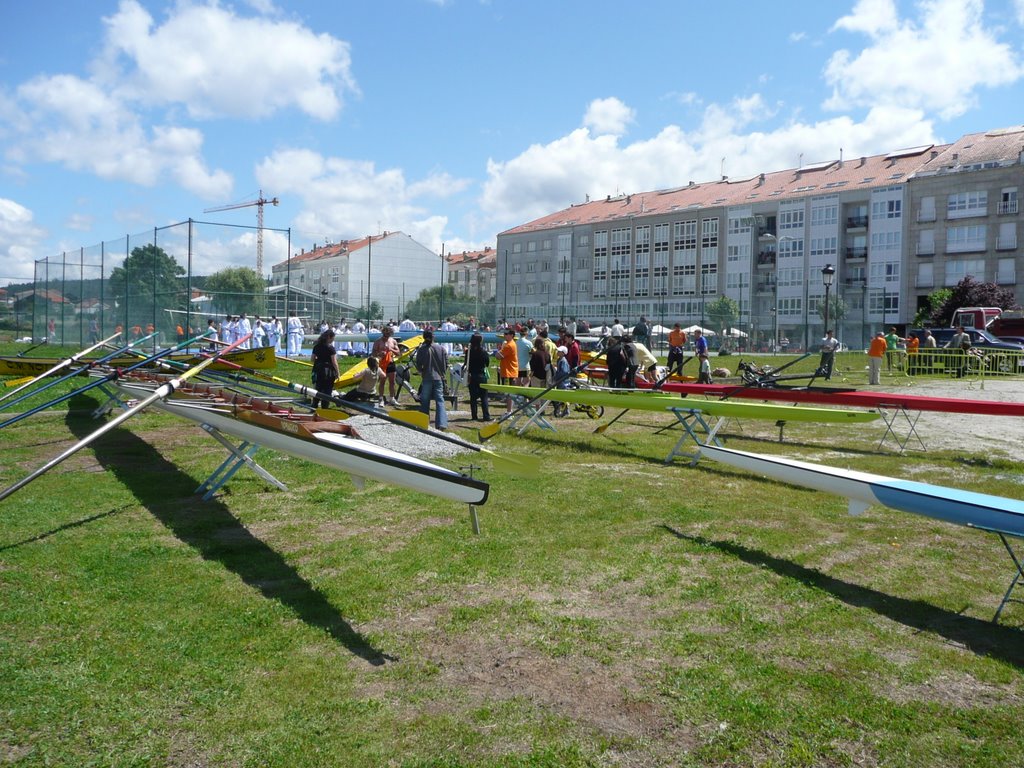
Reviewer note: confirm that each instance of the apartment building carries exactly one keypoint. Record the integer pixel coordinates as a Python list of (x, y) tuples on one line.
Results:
[(473, 273), (765, 240), (390, 269)]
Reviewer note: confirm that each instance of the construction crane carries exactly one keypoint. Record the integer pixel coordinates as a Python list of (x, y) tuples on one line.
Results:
[(259, 202)]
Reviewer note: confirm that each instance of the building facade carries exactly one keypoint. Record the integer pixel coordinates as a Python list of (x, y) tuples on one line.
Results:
[(473, 273), (765, 240), (390, 269)]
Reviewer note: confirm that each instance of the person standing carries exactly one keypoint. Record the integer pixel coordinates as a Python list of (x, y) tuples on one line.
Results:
[(432, 362), (632, 361), (913, 342), (524, 348), (244, 329), (540, 364), (676, 343), (273, 334), (617, 362), (295, 332), (641, 331), (508, 364), (476, 362), (572, 355), (325, 368), (892, 343), (700, 348), (618, 329), (876, 351), (387, 352), (94, 331), (829, 345), (959, 344)]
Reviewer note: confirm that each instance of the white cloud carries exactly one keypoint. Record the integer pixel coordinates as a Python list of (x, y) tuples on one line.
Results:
[(217, 63), (85, 128), (935, 63), (796, 37), (1019, 5), (352, 198), (546, 178), (608, 116), (19, 240)]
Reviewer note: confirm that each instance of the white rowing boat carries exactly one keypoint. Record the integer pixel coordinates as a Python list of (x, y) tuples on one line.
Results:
[(308, 436)]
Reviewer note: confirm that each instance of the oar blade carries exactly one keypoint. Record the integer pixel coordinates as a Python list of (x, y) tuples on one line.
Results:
[(416, 418), (487, 431), (518, 465)]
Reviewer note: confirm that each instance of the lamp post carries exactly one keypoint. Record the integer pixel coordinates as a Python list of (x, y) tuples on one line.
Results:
[(828, 274)]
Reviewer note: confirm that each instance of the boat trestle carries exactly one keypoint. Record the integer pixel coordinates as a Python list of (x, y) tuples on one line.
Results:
[(893, 413), (241, 455)]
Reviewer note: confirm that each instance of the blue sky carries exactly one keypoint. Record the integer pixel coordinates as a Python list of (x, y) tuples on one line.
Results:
[(453, 120)]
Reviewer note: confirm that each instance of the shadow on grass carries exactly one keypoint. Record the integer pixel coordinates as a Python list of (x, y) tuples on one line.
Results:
[(981, 637), (65, 527), (209, 527)]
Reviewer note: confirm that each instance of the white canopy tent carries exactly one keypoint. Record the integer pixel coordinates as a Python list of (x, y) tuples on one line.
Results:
[(705, 331), (736, 333)]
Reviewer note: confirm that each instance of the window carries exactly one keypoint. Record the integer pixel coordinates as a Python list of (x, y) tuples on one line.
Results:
[(581, 286), (886, 209), (740, 225), (927, 210), (883, 302), (1006, 272), (516, 269), (583, 240), (824, 246), (1008, 200), (789, 249), (531, 266), (926, 242), (958, 269), (685, 236), (886, 241), (791, 276), (582, 262), (965, 204), (965, 239), (885, 271), (709, 234), (825, 216), (531, 247), (564, 242), (925, 275), (791, 219), (790, 307), (546, 245), (517, 247), (684, 279), (1007, 239), (709, 277)]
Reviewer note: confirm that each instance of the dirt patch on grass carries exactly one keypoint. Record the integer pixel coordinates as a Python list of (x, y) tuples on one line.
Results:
[(957, 691)]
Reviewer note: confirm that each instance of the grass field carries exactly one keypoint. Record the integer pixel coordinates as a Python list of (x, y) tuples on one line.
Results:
[(614, 610)]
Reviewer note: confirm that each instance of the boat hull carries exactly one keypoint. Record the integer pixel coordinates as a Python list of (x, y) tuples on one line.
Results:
[(855, 399), (327, 444), (975, 510), (260, 358), (649, 401)]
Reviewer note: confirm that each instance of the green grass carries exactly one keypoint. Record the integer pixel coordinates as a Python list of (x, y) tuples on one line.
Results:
[(614, 611)]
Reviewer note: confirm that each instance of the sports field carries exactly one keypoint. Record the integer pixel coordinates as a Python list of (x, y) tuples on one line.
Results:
[(614, 610)]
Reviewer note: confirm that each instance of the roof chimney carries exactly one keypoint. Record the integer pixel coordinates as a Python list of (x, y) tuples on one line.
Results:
[(863, 160), (956, 158), (760, 180), (935, 153)]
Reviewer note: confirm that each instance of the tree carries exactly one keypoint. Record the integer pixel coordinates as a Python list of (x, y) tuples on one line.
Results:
[(931, 304), (236, 290), (431, 302), (836, 311), (722, 312), (376, 311), (970, 293), (149, 280)]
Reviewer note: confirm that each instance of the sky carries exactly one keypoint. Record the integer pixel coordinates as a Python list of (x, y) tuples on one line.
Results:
[(454, 120)]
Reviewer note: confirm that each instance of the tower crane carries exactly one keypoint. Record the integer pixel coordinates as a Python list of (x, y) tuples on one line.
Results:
[(259, 202)]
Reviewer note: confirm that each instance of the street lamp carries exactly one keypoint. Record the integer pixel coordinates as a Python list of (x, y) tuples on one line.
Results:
[(828, 274)]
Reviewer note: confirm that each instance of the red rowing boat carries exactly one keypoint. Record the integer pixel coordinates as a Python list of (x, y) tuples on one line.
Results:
[(855, 399)]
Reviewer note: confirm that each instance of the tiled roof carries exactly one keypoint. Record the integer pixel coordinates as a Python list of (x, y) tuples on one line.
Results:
[(813, 179), (999, 147), (473, 256), (330, 250)]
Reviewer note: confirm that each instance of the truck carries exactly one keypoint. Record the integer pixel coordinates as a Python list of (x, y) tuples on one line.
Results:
[(998, 322)]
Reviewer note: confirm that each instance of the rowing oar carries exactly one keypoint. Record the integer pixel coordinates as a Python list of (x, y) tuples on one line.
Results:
[(764, 377), (161, 392), (416, 418), (490, 430), (89, 365), (95, 383), (61, 365), (26, 351)]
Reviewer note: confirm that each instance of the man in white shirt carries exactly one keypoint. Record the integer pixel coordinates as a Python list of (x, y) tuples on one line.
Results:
[(244, 329), (829, 347), (358, 347), (618, 329), (407, 324), (295, 333)]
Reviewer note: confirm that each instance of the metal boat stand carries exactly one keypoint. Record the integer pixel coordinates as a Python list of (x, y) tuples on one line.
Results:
[(689, 417), (890, 414), (241, 456), (535, 415), (1018, 579), (114, 400)]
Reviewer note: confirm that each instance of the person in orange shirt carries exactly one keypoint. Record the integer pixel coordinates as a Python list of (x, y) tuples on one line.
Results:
[(676, 342), (913, 342), (875, 354), (508, 364)]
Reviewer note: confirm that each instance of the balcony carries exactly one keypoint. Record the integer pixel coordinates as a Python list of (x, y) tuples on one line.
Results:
[(926, 249), (766, 259), (1006, 278), (766, 286), (1008, 243), (857, 252), (926, 214), (857, 222), (764, 230), (924, 281), (1008, 206), (969, 246)]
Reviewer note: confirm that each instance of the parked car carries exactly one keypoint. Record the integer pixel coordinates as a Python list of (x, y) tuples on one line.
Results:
[(1012, 339), (982, 339)]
